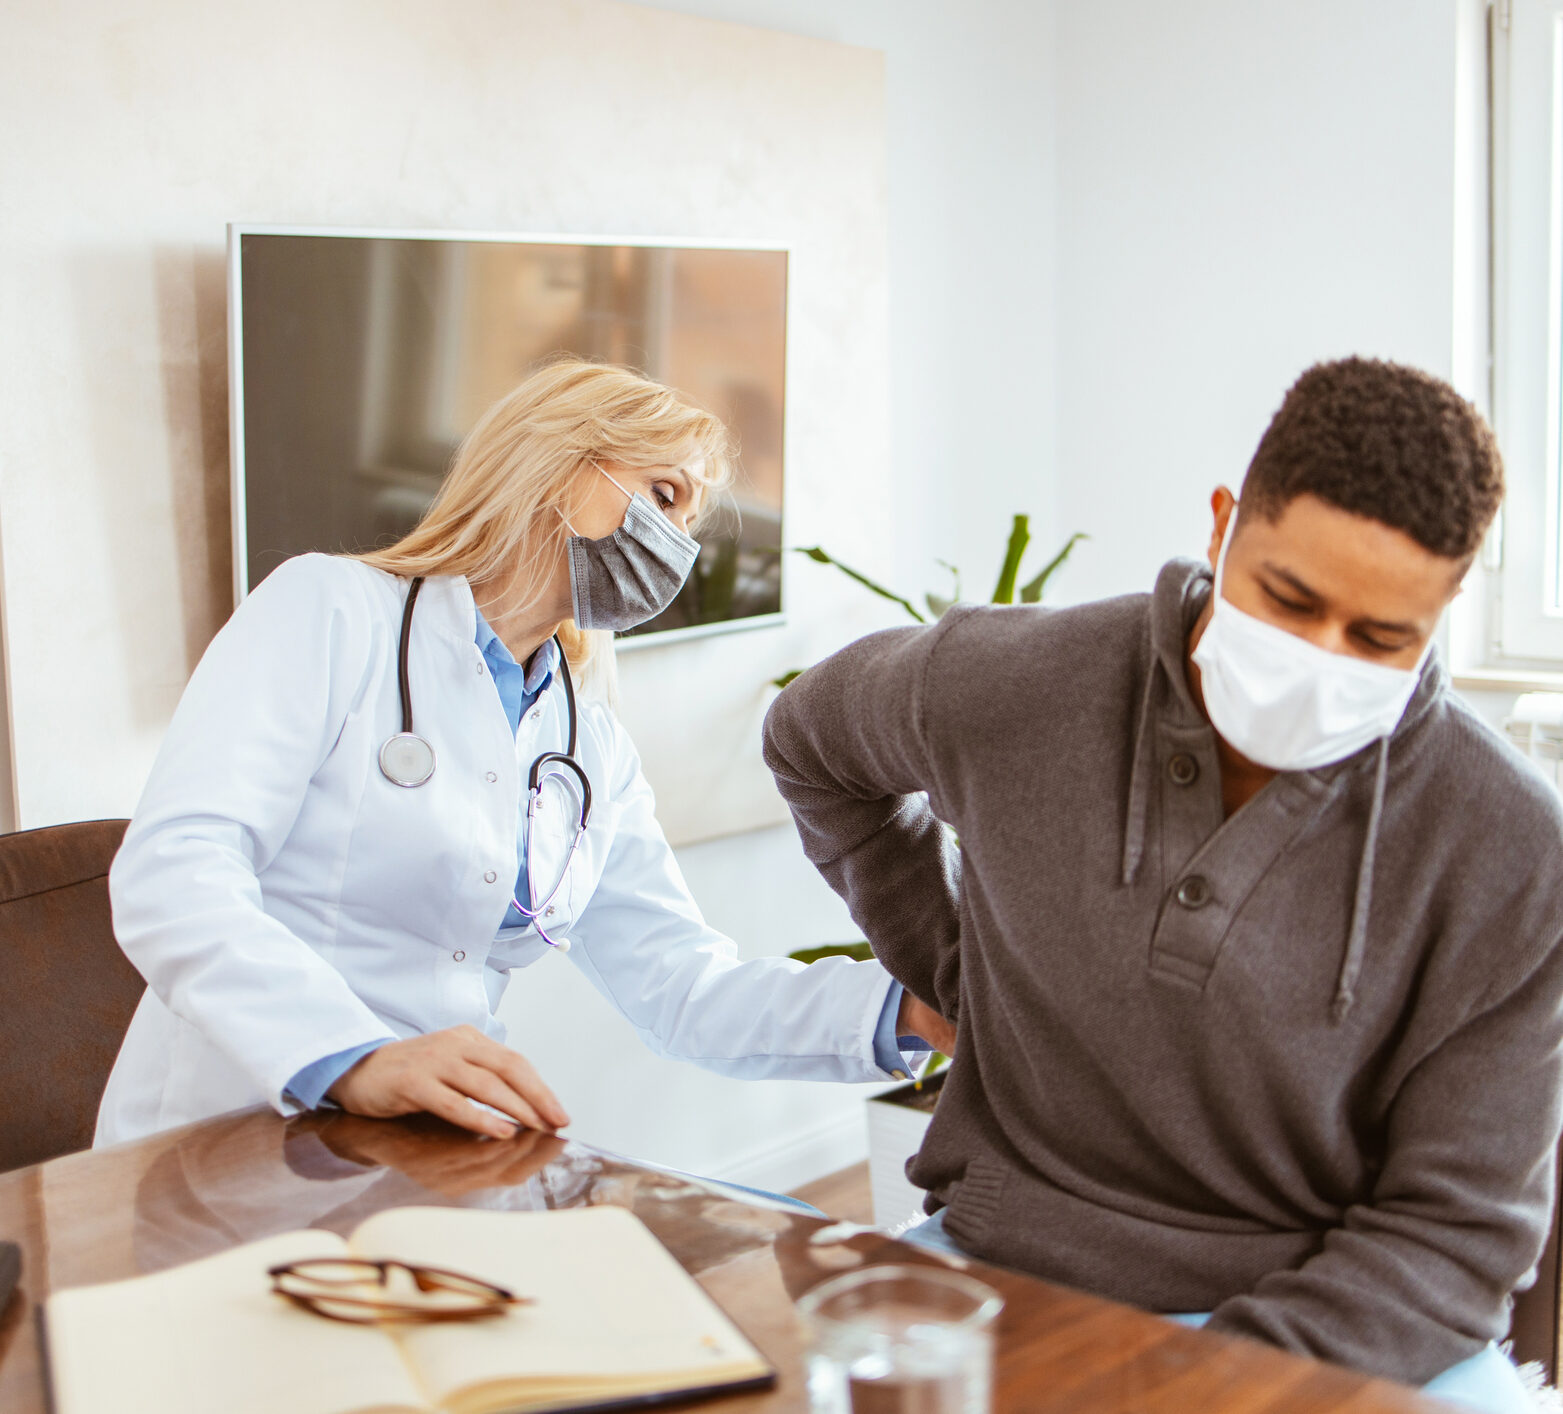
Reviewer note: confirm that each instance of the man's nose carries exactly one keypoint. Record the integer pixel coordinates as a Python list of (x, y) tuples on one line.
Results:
[(1331, 637)]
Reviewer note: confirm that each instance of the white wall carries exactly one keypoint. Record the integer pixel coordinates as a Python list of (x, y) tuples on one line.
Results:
[(1243, 190), (970, 91)]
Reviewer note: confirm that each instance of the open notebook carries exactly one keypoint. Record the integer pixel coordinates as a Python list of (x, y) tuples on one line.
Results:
[(613, 1322)]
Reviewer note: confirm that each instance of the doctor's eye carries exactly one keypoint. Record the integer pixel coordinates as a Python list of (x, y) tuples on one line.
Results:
[(666, 494)]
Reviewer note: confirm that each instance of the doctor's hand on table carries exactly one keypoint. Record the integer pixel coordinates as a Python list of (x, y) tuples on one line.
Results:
[(440, 1073), (917, 1018)]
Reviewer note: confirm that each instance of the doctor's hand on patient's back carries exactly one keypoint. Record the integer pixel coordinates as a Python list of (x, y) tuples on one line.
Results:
[(917, 1018), (441, 1073)]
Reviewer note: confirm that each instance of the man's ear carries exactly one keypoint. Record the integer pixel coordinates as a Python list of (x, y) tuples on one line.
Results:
[(1222, 504)]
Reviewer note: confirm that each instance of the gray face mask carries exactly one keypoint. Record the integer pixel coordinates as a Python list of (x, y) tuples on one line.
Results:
[(632, 575)]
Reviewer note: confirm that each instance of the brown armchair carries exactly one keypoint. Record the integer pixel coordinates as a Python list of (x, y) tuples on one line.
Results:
[(66, 989)]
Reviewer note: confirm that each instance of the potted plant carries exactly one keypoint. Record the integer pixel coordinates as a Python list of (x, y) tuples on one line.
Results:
[(899, 1117)]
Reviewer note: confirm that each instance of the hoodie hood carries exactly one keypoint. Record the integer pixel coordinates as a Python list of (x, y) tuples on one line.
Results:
[(1182, 590)]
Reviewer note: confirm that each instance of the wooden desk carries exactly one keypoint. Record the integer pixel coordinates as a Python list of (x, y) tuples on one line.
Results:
[(182, 1195)]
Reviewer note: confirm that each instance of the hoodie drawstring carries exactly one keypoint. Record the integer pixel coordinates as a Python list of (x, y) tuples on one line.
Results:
[(1357, 937), (1141, 773)]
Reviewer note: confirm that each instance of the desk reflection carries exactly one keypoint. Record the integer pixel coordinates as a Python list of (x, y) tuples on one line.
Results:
[(244, 1177)]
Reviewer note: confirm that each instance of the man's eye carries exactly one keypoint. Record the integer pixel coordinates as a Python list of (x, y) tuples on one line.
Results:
[(1287, 604)]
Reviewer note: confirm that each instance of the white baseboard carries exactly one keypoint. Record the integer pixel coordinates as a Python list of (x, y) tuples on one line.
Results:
[(790, 1162)]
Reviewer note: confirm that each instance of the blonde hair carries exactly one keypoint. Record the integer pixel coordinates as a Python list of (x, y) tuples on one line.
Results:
[(523, 470)]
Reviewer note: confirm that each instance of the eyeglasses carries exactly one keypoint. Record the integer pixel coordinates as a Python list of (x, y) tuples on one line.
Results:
[(365, 1292)]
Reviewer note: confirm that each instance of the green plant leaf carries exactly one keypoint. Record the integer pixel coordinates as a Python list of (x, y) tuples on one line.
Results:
[(786, 678), (821, 556), (1031, 593), (1019, 538), (937, 604), (861, 951)]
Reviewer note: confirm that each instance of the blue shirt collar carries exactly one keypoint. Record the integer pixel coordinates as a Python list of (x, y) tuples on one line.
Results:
[(540, 667)]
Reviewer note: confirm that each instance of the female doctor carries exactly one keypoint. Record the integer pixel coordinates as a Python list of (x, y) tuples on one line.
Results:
[(382, 793)]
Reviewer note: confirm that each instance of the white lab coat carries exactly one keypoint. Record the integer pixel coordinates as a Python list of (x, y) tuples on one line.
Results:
[(285, 901)]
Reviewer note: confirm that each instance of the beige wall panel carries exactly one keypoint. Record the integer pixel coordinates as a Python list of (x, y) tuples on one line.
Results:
[(132, 137)]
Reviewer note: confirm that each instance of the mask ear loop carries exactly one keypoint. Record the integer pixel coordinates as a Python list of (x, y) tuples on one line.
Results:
[(616, 482), (566, 519), (1221, 554)]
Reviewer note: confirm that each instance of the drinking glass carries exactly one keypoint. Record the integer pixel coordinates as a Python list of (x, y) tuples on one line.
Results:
[(900, 1340)]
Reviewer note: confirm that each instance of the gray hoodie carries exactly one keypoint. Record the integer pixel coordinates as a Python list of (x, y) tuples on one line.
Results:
[(1299, 1067)]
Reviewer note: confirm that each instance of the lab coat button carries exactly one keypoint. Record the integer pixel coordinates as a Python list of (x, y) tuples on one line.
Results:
[(459, 955), (489, 876), (536, 713), (1193, 892), (1183, 769), (480, 670), (549, 911), (490, 777)]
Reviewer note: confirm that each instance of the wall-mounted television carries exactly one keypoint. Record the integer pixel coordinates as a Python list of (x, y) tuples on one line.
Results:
[(359, 360)]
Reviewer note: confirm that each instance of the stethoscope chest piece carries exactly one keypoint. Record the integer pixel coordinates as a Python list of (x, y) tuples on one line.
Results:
[(407, 759)]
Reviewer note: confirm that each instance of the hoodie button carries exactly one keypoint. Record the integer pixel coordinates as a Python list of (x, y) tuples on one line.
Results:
[(1193, 892), (1183, 769)]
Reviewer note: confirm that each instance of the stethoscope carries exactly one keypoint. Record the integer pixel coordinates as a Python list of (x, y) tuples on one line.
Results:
[(406, 759)]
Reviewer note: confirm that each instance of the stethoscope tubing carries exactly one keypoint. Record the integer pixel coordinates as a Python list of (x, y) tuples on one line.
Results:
[(546, 764)]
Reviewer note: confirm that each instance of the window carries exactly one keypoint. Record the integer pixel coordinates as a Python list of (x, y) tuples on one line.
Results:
[(1527, 113)]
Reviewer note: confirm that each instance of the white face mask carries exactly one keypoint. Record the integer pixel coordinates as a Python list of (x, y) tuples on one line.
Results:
[(1285, 703)]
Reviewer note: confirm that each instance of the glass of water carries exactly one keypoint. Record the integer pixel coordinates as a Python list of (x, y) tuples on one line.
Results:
[(900, 1340)]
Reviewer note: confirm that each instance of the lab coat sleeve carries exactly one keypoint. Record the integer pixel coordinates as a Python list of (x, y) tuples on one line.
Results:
[(643, 944), (848, 744), (257, 719)]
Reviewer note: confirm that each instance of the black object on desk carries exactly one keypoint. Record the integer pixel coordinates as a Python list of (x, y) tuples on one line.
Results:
[(10, 1270)]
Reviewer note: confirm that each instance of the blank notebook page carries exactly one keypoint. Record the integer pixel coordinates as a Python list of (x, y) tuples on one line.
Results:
[(610, 1301)]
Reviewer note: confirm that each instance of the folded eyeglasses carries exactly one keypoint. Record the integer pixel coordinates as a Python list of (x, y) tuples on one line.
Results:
[(368, 1291)]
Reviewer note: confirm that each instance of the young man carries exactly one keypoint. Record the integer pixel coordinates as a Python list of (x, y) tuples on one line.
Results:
[(1252, 932)]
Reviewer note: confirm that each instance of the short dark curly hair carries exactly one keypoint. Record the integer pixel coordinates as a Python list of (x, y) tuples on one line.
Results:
[(1385, 441)]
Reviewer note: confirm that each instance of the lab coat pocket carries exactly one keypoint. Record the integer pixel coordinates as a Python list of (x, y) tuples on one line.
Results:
[(552, 862), (516, 947)]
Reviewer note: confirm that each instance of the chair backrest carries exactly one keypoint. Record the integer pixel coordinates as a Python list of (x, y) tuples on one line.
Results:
[(67, 992)]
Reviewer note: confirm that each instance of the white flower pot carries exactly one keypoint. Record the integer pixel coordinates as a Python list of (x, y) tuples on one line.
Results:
[(896, 1126)]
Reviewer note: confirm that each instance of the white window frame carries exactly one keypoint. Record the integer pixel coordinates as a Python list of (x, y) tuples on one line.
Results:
[(1527, 307)]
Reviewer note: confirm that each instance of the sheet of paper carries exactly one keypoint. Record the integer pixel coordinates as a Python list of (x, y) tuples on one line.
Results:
[(211, 1336)]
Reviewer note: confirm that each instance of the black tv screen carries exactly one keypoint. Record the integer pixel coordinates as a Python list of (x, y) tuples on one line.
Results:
[(360, 360)]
